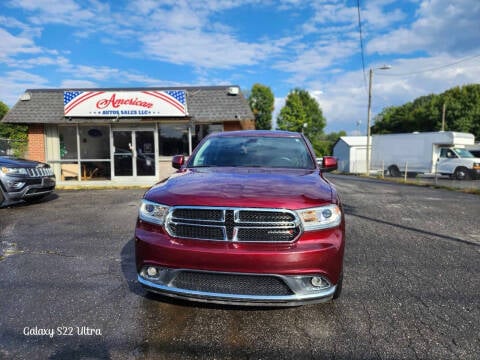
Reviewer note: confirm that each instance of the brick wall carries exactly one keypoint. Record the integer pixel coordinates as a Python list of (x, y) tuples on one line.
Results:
[(238, 125), (36, 142), (247, 124)]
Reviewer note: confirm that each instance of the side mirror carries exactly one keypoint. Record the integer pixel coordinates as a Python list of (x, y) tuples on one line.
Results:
[(178, 161), (329, 163)]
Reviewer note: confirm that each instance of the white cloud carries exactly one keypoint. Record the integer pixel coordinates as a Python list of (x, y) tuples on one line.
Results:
[(77, 84), (313, 62), (278, 104), (199, 49), (377, 17), (14, 83), (11, 45), (441, 26), (326, 13), (66, 12)]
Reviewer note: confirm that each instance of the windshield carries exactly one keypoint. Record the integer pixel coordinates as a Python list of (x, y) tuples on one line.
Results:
[(463, 153), (254, 151)]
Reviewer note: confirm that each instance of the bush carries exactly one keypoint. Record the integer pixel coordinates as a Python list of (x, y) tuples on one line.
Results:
[(16, 135)]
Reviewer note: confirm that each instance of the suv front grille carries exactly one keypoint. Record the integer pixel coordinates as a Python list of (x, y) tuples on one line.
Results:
[(39, 171), (233, 224)]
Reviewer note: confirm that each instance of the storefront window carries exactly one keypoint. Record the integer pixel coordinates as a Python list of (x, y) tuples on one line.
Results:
[(95, 170), (203, 130), (94, 142), (68, 142), (68, 151), (95, 152), (94, 161), (173, 139)]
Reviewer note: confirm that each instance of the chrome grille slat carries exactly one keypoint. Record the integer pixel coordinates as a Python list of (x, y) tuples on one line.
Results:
[(38, 172), (263, 217), (189, 231), (199, 214), (233, 224)]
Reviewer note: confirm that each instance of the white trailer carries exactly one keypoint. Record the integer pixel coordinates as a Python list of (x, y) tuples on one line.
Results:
[(440, 152)]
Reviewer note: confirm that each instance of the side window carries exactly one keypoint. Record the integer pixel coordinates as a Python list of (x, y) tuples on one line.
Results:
[(443, 152)]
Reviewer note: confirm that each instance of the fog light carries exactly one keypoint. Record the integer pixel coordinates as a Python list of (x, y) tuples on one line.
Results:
[(15, 184), (152, 271), (317, 281)]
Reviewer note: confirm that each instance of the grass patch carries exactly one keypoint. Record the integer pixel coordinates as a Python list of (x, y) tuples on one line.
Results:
[(418, 182)]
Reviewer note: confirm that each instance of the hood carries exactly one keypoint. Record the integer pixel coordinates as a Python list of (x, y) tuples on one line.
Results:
[(15, 162), (243, 187)]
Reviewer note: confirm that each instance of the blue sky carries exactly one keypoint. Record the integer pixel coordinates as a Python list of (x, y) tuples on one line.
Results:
[(431, 45)]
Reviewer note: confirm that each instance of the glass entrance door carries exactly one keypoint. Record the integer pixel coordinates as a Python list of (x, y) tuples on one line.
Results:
[(134, 153), (144, 153)]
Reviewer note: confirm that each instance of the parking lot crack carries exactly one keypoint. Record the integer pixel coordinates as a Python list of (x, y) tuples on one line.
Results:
[(51, 252), (48, 252), (372, 337)]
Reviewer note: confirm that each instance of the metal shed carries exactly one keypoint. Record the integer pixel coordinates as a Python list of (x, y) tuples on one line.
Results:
[(351, 153)]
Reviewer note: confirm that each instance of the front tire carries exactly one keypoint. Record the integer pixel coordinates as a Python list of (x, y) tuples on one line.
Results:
[(394, 172), (338, 290), (461, 173), (2, 198)]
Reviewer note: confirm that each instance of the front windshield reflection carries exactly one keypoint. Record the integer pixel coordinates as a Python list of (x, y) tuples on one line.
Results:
[(254, 151)]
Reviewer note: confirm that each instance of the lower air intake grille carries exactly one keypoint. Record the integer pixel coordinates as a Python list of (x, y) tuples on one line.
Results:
[(231, 283)]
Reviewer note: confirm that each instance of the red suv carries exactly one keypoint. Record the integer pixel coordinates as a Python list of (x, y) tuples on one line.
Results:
[(247, 219)]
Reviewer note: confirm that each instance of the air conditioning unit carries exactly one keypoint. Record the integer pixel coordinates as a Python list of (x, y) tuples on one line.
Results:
[(233, 90), (25, 97)]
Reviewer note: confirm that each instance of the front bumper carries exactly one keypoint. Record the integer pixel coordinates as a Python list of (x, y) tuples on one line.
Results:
[(226, 272), (475, 173), (33, 187), (290, 290)]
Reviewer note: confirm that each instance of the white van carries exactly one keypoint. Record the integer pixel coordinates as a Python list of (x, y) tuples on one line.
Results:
[(442, 152)]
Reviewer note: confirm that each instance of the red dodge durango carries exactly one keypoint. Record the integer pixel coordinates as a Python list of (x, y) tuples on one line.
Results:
[(248, 219)]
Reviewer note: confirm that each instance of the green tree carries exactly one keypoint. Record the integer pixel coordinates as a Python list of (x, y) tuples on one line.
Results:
[(302, 113), (261, 101), (462, 113), (325, 143), (16, 133), (3, 110)]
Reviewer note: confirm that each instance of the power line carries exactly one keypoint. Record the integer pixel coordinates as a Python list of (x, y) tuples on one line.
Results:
[(361, 43), (434, 68)]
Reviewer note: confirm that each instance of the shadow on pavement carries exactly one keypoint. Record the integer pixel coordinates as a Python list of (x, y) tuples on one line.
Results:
[(349, 210)]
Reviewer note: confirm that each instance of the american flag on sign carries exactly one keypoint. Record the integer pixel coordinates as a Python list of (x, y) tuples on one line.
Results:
[(74, 98), (128, 103), (175, 98)]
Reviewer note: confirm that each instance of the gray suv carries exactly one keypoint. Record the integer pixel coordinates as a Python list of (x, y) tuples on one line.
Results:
[(24, 180)]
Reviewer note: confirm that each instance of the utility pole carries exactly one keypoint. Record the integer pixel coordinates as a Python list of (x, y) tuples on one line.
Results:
[(369, 115), (443, 116)]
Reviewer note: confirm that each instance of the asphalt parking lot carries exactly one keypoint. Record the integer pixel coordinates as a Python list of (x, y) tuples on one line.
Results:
[(411, 289)]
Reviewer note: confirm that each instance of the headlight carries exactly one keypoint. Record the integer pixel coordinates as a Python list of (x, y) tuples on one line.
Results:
[(152, 212), (321, 217), (14, 171)]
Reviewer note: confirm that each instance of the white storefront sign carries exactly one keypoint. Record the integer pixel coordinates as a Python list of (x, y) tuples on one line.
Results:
[(125, 103)]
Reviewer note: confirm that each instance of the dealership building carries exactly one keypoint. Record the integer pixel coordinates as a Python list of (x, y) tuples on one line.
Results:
[(124, 136)]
